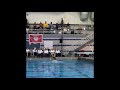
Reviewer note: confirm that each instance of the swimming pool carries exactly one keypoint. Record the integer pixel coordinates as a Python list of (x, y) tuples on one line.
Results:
[(59, 69)]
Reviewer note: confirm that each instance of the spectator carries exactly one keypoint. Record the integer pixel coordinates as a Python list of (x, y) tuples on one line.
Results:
[(45, 25), (57, 26), (41, 25), (37, 26), (58, 53), (27, 52), (34, 27), (49, 52), (34, 52), (51, 25), (52, 51), (68, 26), (62, 22), (46, 52), (40, 52)]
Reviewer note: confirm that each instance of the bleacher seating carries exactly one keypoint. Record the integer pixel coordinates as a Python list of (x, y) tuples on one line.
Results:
[(76, 31)]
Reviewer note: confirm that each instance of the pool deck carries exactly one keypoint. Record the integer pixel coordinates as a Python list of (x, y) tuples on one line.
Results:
[(86, 58), (65, 58)]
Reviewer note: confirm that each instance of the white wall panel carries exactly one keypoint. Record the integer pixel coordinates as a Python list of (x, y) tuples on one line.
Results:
[(55, 17)]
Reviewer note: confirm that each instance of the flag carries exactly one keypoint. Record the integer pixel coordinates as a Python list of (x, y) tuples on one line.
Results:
[(35, 38)]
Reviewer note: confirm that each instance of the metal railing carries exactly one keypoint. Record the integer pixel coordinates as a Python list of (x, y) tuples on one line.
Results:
[(54, 31), (86, 40), (72, 29)]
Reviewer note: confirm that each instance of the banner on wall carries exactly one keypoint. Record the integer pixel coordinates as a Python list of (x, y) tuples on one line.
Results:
[(35, 38), (48, 44)]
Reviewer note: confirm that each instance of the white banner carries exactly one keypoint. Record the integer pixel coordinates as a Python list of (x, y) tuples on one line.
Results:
[(48, 44)]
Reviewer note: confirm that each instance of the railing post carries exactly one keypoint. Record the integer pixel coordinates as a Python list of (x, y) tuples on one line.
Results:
[(62, 41)]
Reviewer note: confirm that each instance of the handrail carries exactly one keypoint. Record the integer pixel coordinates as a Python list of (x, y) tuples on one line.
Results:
[(40, 29), (89, 37), (64, 24), (50, 29), (66, 31)]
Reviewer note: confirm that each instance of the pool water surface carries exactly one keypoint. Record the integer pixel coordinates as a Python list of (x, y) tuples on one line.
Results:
[(59, 69)]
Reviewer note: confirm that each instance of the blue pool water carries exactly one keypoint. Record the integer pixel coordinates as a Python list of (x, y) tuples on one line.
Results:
[(59, 69)]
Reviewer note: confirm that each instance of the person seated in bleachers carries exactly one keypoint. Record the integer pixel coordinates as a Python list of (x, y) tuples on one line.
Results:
[(41, 25), (34, 52), (40, 53), (57, 26), (52, 51), (58, 52), (34, 26), (45, 25), (37, 26), (68, 26), (28, 52), (62, 22), (49, 53), (46, 52), (51, 26), (31, 26)]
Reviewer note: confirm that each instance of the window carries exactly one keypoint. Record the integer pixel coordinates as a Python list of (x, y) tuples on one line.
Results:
[(83, 16), (92, 16)]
